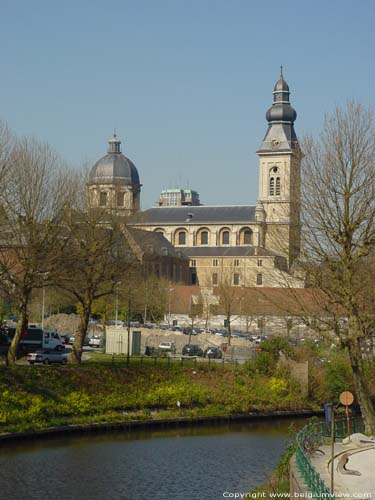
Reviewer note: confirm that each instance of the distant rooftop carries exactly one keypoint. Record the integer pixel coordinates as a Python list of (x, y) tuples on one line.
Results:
[(177, 197)]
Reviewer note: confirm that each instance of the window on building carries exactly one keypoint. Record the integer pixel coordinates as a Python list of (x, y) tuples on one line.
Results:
[(193, 263), (193, 278), (260, 323), (215, 262), (277, 186), (120, 199), (246, 238), (260, 262), (236, 279), (225, 238), (103, 199), (272, 186), (259, 279), (182, 238), (214, 278), (204, 238), (236, 262)]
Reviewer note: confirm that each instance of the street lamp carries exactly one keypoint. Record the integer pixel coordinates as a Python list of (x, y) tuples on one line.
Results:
[(116, 304), (169, 306), (43, 302)]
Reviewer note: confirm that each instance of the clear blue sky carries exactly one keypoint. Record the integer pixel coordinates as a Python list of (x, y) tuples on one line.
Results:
[(186, 84)]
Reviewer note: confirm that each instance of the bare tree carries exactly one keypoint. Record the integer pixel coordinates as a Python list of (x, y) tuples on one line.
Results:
[(95, 261), (338, 213), (32, 201), (229, 297)]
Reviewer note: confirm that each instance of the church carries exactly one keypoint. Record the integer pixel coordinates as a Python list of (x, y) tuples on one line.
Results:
[(240, 245)]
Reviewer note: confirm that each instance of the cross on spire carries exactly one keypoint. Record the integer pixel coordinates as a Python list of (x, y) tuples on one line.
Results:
[(281, 72)]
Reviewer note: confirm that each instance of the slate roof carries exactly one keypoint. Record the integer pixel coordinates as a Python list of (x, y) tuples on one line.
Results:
[(153, 243), (238, 251), (237, 214)]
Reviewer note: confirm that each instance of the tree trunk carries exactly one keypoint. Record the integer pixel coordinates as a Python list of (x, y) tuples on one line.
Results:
[(21, 327), (77, 348), (361, 387), (229, 329)]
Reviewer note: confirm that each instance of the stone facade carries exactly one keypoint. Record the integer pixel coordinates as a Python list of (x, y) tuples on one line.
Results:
[(255, 245)]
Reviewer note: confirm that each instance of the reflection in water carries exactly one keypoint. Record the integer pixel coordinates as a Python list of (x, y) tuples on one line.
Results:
[(197, 463)]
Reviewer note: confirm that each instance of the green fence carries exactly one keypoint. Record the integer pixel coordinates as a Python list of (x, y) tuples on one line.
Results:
[(309, 439)]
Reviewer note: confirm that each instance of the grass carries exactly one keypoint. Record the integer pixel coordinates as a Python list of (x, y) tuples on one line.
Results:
[(34, 397)]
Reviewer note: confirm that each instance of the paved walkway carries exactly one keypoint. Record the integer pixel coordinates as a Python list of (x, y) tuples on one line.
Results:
[(361, 459)]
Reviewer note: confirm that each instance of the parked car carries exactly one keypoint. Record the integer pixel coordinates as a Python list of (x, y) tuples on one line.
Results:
[(213, 353), (167, 347), (71, 340), (187, 330), (95, 341), (47, 356), (149, 325), (164, 327), (177, 329), (192, 350)]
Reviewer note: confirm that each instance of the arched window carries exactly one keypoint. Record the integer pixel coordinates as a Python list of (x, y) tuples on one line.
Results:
[(204, 237), (182, 238), (246, 236), (103, 199), (225, 238), (120, 199), (277, 186), (272, 186)]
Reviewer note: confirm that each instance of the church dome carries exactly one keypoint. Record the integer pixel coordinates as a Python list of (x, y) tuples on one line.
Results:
[(281, 85), (114, 167), (281, 109)]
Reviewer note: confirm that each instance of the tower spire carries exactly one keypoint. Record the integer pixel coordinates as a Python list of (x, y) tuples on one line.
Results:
[(281, 73)]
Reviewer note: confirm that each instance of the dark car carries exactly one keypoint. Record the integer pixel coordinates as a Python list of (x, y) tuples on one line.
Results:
[(213, 352), (192, 350)]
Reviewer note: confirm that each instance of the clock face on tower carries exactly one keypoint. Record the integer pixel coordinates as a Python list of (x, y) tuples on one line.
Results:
[(278, 97), (275, 144)]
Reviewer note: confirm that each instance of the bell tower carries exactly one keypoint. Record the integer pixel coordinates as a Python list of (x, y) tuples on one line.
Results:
[(280, 177)]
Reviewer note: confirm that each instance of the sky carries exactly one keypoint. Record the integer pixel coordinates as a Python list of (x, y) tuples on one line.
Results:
[(185, 84)]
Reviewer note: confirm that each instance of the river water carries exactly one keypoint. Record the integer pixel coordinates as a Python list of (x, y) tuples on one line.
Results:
[(197, 463)]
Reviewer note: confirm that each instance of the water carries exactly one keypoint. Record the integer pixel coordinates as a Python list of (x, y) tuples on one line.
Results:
[(198, 463)]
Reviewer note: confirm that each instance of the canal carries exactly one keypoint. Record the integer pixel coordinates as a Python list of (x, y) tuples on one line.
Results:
[(196, 463)]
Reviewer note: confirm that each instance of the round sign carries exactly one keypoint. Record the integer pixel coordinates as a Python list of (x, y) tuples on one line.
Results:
[(346, 398)]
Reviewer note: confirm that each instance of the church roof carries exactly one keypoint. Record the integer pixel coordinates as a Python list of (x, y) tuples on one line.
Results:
[(152, 243), (237, 251), (237, 214)]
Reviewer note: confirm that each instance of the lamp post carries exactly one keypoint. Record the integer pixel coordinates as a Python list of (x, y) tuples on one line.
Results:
[(169, 306), (116, 304), (43, 303)]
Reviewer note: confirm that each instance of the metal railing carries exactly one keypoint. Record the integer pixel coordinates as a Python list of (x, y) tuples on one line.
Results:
[(309, 439)]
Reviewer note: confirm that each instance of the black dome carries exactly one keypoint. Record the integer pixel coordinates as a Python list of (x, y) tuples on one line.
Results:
[(281, 86), (281, 112), (114, 167)]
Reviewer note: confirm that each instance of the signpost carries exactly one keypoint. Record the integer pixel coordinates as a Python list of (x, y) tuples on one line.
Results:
[(346, 399)]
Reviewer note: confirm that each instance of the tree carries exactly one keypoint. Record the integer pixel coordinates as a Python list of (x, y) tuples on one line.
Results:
[(338, 214), (32, 201), (94, 263), (229, 297)]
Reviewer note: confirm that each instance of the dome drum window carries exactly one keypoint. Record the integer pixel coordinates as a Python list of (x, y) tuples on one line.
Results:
[(181, 237), (120, 199), (103, 196)]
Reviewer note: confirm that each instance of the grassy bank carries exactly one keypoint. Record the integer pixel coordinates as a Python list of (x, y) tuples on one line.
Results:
[(38, 397)]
